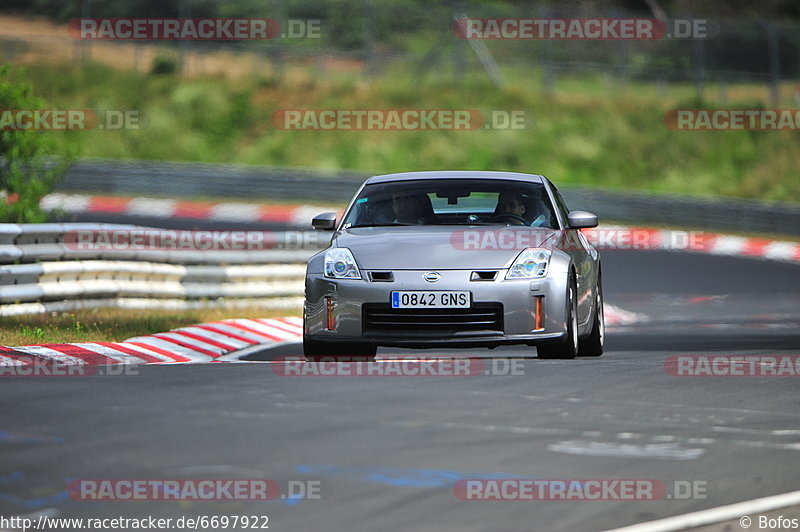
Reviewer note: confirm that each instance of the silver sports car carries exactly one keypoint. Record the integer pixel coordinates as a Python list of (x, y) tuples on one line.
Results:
[(455, 259)]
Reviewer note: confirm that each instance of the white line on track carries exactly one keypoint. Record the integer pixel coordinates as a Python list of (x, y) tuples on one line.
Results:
[(715, 515), (661, 451), (777, 432)]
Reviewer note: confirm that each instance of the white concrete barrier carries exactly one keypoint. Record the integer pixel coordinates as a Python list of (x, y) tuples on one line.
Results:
[(40, 272)]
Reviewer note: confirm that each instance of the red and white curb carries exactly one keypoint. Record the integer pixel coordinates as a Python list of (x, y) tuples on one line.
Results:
[(218, 341), (298, 215), (612, 237), (207, 342)]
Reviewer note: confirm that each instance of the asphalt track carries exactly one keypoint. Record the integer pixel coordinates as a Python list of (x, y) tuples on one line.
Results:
[(388, 450)]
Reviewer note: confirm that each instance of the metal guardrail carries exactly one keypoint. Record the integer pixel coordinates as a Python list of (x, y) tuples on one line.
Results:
[(40, 242), (183, 180), (711, 214), (39, 266)]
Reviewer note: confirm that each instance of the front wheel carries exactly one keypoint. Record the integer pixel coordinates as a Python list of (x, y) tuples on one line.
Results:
[(592, 345), (322, 351), (568, 347)]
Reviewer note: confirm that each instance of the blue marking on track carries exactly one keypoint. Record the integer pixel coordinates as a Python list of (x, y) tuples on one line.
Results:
[(395, 476), (15, 437)]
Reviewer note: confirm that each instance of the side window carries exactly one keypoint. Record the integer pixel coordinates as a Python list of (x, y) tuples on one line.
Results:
[(560, 205)]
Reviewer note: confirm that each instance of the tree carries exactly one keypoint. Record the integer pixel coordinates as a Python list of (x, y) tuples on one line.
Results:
[(28, 171)]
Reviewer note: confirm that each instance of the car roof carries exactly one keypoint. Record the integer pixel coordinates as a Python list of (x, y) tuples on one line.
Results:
[(456, 174)]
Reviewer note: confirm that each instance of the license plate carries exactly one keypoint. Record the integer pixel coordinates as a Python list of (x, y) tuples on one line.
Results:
[(430, 299)]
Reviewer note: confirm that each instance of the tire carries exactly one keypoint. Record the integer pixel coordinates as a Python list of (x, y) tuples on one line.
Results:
[(568, 347), (592, 345), (321, 351)]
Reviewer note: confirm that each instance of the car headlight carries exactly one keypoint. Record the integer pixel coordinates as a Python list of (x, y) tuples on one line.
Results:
[(340, 264), (530, 264)]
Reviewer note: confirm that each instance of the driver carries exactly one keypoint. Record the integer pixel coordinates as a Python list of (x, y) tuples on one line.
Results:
[(510, 203)]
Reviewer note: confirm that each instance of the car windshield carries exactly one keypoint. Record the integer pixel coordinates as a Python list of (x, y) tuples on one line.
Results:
[(452, 202)]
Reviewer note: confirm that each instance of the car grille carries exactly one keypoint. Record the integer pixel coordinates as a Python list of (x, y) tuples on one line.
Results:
[(481, 319)]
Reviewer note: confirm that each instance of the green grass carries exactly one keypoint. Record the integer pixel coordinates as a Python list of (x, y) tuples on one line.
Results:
[(112, 325), (591, 131)]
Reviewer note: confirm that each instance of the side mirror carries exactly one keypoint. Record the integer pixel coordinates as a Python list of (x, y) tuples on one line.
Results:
[(582, 220), (324, 222)]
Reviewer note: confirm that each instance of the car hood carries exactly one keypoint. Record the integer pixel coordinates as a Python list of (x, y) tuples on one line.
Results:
[(440, 247)]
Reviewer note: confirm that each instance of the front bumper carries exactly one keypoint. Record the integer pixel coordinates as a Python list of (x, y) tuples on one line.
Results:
[(334, 310)]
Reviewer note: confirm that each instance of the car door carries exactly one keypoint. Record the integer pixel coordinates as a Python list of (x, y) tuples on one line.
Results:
[(582, 257)]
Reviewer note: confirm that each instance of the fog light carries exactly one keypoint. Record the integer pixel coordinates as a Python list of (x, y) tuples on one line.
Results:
[(539, 313), (330, 324)]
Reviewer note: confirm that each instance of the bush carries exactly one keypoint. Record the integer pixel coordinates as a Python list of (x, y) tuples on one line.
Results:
[(27, 173), (164, 65)]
